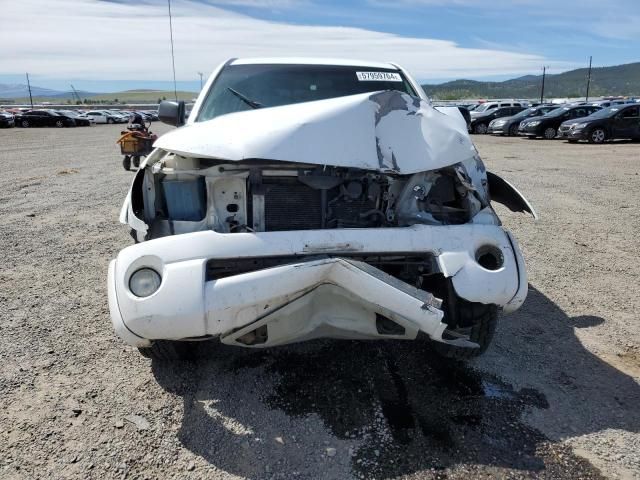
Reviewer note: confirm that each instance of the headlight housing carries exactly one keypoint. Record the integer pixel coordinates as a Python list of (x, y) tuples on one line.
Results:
[(535, 123), (498, 123), (578, 126), (144, 282)]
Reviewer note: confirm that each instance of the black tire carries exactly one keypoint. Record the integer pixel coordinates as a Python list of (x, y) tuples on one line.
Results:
[(549, 133), (136, 161), (513, 130), (126, 163), (164, 350), (25, 123), (597, 135), (59, 124), (109, 120), (483, 320), (480, 128)]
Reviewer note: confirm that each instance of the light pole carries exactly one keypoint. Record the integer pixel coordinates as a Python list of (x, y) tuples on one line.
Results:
[(544, 73), (29, 86), (586, 98), (201, 74)]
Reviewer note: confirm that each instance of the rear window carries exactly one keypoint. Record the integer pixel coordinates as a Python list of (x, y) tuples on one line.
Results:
[(276, 85)]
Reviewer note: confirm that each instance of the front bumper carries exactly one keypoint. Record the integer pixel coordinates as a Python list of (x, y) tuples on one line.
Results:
[(573, 134), (530, 131), (322, 292), (498, 129)]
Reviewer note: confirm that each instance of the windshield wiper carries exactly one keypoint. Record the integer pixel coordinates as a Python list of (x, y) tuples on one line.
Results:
[(248, 101)]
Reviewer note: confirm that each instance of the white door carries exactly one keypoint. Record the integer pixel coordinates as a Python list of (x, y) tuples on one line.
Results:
[(98, 117)]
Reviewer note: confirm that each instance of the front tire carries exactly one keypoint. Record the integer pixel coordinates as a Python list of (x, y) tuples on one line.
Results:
[(25, 124), (164, 350), (513, 130), (59, 124), (109, 120), (480, 129), (597, 135), (476, 320), (550, 133)]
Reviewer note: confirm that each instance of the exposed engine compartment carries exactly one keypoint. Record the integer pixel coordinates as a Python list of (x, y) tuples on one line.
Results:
[(186, 195)]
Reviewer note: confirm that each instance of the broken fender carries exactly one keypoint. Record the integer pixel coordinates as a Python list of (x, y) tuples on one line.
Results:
[(503, 192)]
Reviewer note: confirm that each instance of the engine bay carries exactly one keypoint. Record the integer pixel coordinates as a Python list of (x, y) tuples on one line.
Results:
[(255, 196)]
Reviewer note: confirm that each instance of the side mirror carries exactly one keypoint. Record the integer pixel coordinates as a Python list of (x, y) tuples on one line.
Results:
[(172, 113)]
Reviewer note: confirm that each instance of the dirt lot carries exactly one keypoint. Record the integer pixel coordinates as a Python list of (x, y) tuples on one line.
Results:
[(555, 397)]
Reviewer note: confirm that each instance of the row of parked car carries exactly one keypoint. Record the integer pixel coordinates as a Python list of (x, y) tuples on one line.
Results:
[(594, 122), (68, 118)]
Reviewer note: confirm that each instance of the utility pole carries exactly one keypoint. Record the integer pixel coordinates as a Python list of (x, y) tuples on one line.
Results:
[(173, 59), (29, 86), (201, 74), (586, 99), (544, 73)]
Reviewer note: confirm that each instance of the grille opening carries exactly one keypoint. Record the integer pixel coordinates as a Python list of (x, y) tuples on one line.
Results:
[(254, 337), (386, 326)]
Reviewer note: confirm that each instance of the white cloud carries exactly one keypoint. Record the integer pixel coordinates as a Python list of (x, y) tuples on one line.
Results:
[(92, 40)]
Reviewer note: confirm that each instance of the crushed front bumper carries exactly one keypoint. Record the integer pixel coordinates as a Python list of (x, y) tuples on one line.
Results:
[(321, 291)]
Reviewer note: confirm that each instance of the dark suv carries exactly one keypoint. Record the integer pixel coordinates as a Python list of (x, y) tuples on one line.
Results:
[(509, 125), (618, 121), (480, 123), (547, 125)]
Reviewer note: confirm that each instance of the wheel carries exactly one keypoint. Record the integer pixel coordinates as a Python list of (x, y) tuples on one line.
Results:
[(513, 130), (126, 162), (136, 161), (59, 123), (170, 350), (476, 320), (25, 123), (550, 133), (109, 120), (480, 128), (597, 135)]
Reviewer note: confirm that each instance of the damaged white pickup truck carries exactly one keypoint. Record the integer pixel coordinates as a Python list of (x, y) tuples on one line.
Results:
[(308, 198)]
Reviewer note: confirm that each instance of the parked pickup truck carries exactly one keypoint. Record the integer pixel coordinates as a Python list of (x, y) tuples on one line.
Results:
[(314, 198)]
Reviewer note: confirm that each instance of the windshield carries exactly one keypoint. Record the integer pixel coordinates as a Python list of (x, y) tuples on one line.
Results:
[(605, 112), (484, 107), (245, 87), (557, 112), (529, 112)]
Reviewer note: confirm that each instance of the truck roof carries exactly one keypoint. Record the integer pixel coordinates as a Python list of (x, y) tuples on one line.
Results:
[(312, 61)]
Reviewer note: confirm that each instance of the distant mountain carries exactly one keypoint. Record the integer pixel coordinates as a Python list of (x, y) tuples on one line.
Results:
[(18, 90), (616, 80)]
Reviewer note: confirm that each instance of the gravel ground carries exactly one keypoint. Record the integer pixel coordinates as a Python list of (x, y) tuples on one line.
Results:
[(555, 396)]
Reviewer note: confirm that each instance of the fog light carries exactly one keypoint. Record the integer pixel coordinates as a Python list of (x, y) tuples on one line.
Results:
[(490, 257), (144, 282)]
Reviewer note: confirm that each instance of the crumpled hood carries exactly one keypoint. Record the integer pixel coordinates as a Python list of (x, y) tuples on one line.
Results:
[(387, 131)]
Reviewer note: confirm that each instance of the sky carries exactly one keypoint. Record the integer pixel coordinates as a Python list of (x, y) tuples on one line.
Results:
[(112, 45)]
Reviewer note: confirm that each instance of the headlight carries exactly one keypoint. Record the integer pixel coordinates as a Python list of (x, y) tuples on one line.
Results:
[(144, 282), (498, 123), (533, 124), (578, 126)]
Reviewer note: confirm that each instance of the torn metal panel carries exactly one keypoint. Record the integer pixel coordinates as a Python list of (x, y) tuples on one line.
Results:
[(503, 192), (385, 131)]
